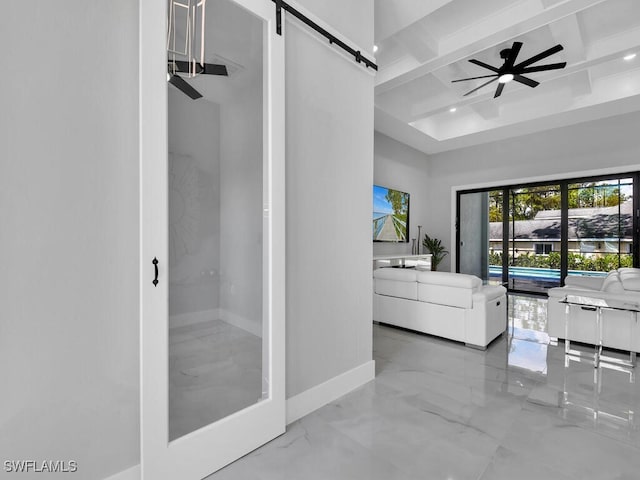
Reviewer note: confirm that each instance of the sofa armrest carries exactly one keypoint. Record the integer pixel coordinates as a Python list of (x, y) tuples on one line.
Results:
[(558, 294), (584, 282), (488, 293)]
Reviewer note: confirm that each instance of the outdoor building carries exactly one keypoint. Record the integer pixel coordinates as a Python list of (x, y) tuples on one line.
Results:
[(592, 233)]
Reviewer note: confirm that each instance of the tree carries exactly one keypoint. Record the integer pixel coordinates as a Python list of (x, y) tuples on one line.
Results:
[(495, 206), (591, 195), (525, 203), (398, 201)]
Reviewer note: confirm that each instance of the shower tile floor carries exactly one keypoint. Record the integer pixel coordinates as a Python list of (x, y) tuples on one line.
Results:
[(439, 410)]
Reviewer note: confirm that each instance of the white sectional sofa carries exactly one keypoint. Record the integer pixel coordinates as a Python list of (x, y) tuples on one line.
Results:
[(450, 305), (619, 327)]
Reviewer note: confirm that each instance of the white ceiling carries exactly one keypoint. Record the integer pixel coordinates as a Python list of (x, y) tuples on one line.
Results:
[(424, 45)]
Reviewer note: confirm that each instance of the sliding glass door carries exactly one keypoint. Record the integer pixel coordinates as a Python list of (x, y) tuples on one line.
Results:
[(534, 236), (600, 226), (530, 237)]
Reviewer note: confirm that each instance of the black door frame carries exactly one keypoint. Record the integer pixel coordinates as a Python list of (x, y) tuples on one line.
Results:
[(564, 219)]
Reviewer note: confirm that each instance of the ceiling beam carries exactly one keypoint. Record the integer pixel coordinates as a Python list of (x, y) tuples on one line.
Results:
[(419, 43), (488, 110), (566, 31), (497, 29), (580, 83), (613, 52)]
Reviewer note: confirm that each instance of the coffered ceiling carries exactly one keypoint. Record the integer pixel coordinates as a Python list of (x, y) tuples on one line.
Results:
[(424, 45)]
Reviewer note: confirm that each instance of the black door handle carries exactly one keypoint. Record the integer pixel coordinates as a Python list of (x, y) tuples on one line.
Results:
[(155, 267)]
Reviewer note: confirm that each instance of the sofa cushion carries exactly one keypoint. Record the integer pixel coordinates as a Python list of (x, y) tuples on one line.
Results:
[(629, 271), (626, 273), (460, 280), (631, 283), (612, 283), (449, 289), (583, 281), (395, 282), (397, 274)]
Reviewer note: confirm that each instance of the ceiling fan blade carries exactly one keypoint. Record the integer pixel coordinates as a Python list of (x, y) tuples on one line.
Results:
[(513, 53), (499, 90), (526, 81), (184, 87), (485, 65), (542, 68), (540, 56), (207, 68), (474, 78), (215, 69), (478, 88)]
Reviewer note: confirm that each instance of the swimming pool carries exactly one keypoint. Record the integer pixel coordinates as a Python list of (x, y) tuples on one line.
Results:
[(532, 273)]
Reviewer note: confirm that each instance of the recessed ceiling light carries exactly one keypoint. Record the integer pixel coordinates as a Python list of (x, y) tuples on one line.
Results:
[(631, 56), (506, 78), (453, 109), (375, 48)]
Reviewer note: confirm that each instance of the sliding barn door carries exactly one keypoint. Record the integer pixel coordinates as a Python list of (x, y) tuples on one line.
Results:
[(212, 236)]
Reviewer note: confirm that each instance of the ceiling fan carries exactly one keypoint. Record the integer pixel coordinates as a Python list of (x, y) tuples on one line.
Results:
[(510, 71), (181, 66)]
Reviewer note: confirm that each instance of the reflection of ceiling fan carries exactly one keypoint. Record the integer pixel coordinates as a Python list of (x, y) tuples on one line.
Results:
[(186, 38), (181, 66), (510, 71)]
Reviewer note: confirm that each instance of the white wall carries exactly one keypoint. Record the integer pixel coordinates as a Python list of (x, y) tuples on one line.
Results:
[(612, 143), (403, 168), (329, 115), (351, 19), (69, 237)]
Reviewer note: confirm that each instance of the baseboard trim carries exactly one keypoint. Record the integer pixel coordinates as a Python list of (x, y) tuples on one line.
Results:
[(303, 403), (132, 473), (310, 400)]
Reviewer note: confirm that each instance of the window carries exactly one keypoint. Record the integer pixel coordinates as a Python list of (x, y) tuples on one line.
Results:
[(543, 248)]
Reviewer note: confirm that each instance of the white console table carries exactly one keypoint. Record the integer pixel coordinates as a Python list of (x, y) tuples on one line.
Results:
[(401, 259)]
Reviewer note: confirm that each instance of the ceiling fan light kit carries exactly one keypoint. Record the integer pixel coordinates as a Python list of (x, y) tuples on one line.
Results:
[(510, 71), (190, 47)]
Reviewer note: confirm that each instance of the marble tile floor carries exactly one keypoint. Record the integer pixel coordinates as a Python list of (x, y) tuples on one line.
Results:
[(439, 410), (215, 369)]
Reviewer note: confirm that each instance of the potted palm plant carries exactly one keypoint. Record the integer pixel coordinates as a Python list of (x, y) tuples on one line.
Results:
[(436, 249)]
